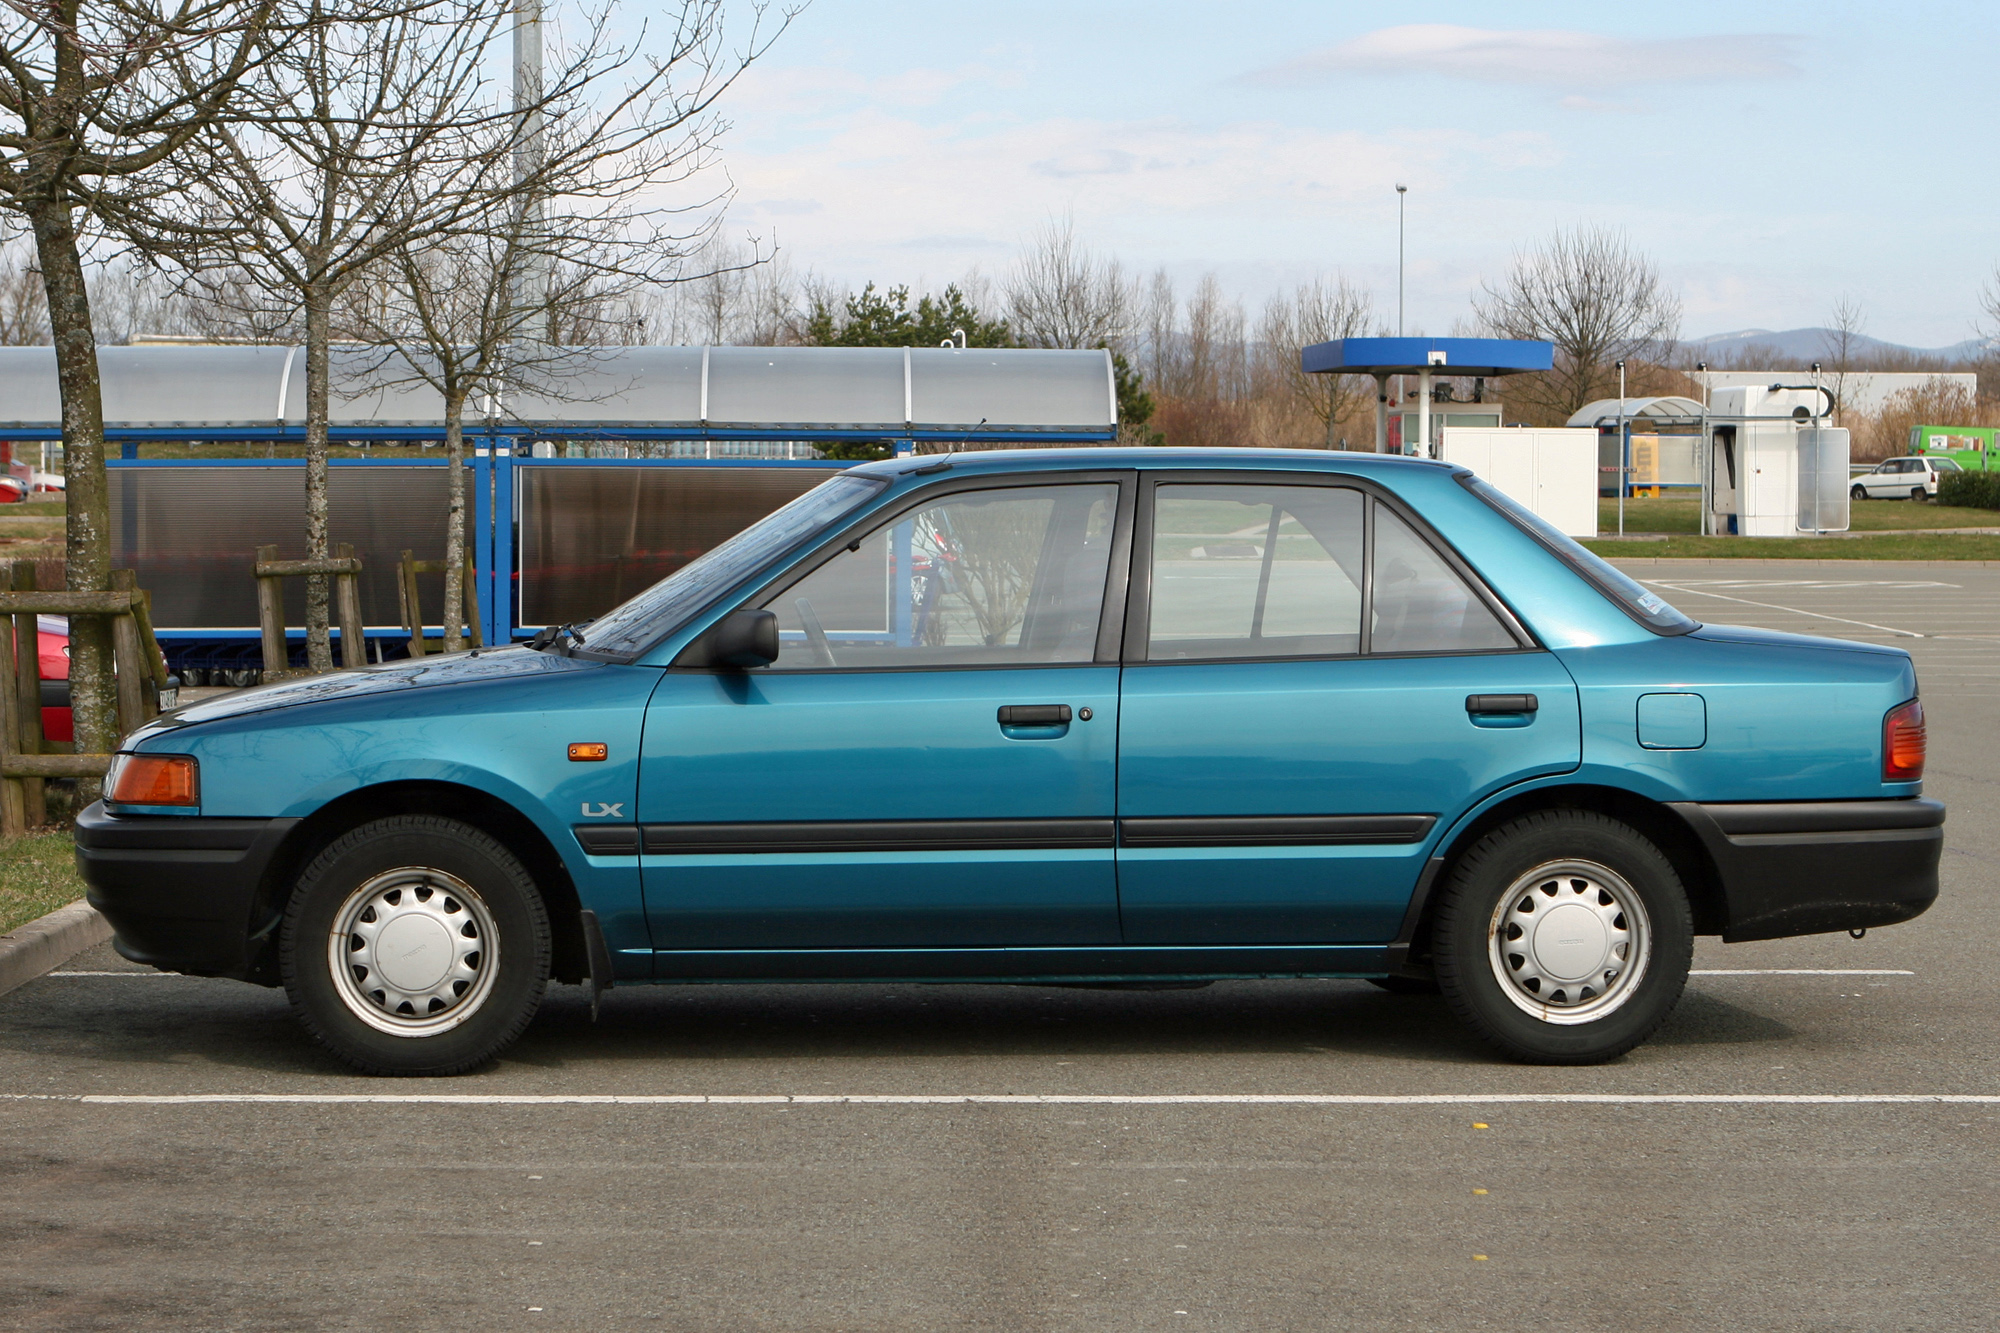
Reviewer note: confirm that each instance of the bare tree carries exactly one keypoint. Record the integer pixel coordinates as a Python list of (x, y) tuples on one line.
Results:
[(95, 97), (1599, 301), (1841, 343), (1063, 295), (1313, 312), (24, 304), (330, 163), (551, 227)]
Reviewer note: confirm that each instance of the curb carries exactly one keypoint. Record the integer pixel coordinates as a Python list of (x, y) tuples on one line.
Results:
[(48, 942)]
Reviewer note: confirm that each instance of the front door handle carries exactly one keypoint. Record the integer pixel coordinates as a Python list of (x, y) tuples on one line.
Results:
[(1034, 715), (1501, 703)]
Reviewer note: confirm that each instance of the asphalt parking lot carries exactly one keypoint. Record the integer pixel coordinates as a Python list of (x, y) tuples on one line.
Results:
[(1133, 1164)]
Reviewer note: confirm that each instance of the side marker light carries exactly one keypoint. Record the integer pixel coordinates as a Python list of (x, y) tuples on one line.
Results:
[(588, 752)]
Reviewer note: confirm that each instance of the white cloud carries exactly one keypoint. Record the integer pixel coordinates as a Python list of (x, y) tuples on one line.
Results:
[(970, 189), (1551, 57)]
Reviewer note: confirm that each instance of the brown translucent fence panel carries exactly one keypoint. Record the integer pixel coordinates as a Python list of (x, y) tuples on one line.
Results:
[(192, 534), (590, 537)]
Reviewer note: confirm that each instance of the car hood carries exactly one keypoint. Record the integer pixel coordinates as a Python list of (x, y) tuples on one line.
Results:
[(410, 674), (1778, 638)]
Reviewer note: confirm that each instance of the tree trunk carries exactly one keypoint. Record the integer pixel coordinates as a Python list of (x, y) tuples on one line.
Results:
[(319, 323), (87, 491), (454, 530)]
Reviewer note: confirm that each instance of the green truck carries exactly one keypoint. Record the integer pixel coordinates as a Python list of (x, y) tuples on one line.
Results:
[(1971, 447)]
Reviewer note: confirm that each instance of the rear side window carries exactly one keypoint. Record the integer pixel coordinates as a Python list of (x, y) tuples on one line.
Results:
[(1248, 571), (1633, 599)]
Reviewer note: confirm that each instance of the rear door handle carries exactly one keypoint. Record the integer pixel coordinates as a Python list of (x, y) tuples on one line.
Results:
[(1501, 703), (1034, 715)]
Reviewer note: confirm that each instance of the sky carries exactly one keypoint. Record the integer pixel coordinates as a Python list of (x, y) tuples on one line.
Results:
[(1770, 158)]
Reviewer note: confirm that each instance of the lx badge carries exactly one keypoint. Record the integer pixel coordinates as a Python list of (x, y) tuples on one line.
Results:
[(603, 811)]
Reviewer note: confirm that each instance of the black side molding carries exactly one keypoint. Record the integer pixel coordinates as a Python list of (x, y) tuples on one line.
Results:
[(877, 835), (608, 839), (1273, 830)]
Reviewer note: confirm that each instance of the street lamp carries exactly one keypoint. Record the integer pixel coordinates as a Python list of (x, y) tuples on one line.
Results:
[(1624, 451), (1401, 190)]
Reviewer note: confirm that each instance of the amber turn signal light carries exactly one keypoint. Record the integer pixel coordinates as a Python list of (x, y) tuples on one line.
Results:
[(155, 779), (588, 752), (1904, 742)]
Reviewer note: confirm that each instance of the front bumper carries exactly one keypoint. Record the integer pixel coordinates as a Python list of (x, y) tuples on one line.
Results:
[(1805, 867), (183, 893)]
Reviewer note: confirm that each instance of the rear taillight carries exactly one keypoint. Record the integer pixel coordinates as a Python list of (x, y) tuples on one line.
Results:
[(1903, 742), (154, 779)]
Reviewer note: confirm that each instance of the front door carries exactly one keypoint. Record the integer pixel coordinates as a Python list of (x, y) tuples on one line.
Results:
[(1314, 684), (929, 764)]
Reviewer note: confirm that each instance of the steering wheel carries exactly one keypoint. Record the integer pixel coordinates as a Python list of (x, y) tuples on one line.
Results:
[(815, 635)]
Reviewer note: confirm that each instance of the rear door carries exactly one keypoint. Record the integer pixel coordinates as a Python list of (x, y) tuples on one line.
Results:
[(1314, 683)]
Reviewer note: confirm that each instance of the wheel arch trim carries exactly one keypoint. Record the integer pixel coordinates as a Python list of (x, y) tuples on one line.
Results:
[(569, 959), (1656, 819)]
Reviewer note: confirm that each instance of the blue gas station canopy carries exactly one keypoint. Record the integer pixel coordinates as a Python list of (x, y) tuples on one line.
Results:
[(1487, 357)]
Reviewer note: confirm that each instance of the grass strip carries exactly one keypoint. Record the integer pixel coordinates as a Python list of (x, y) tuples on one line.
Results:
[(1887, 546), (37, 875)]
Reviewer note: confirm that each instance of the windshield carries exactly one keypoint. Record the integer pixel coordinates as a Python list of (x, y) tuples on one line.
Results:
[(1643, 606), (1945, 465), (658, 610)]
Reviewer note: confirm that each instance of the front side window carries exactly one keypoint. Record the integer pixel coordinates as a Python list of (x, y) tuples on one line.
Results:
[(660, 609), (1245, 571), (1011, 576)]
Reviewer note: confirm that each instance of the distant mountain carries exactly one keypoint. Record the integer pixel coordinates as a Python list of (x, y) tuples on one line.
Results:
[(1799, 347)]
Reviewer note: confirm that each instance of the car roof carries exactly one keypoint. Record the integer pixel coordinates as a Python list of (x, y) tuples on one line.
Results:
[(1042, 460)]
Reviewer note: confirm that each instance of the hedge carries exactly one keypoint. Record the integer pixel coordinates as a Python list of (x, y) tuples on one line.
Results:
[(1975, 490)]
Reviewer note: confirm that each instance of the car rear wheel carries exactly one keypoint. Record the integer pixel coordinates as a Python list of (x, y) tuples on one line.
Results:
[(1563, 937), (1858, 492), (1917, 493), (415, 945)]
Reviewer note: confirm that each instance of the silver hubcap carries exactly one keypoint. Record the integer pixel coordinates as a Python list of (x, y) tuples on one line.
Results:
[(1569, 941), (413, 952)]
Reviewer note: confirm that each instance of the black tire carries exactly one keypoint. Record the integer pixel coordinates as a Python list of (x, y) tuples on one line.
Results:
[(475, 1006), (1549, 861), (1406, 985), (1917, 493), (1858, 492)]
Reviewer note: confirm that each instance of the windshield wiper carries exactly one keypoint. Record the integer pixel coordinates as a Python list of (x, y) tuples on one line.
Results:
[(552, 638)]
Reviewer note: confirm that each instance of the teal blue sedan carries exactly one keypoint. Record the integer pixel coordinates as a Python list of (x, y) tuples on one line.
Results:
[(1086, 716)]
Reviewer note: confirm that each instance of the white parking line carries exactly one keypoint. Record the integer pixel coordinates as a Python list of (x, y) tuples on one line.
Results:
[(1801, 972), (1698, 972), (118, 974), (1773, 606), (1018, 1099)]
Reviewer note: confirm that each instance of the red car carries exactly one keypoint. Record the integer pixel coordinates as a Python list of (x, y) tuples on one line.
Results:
[(54, 640)]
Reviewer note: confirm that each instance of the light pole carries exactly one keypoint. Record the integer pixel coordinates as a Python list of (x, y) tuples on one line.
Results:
[(1624, 451), (1401, 190)]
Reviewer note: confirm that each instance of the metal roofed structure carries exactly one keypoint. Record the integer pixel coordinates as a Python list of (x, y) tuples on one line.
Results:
[(789, 393), (1666, 410), (1477, 358)]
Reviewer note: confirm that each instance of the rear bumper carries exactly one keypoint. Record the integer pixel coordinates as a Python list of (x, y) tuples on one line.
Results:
[(181, 892), (1806, 867)]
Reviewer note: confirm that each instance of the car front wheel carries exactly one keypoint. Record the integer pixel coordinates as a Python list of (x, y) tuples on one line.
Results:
[(1563, 937), (415, 945)]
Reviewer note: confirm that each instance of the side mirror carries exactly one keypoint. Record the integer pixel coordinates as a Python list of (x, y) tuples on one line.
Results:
[(744, 639)]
